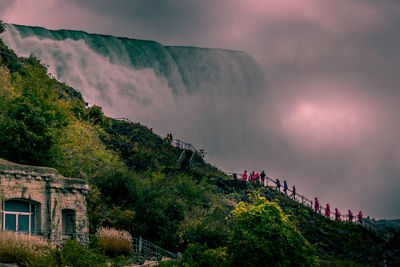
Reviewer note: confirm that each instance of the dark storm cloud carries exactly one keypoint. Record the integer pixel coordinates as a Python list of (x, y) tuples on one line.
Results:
[(328, 120)]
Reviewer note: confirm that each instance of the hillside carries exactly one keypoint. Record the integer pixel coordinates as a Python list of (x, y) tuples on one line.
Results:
[(136, 183)]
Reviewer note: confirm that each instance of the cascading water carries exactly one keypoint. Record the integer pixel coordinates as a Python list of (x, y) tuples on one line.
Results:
[(196, 93)]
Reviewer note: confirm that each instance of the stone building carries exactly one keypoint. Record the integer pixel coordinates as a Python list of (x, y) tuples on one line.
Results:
[(38, 200)]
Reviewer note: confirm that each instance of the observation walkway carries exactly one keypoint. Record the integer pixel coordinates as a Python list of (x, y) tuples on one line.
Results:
[(271, 183)]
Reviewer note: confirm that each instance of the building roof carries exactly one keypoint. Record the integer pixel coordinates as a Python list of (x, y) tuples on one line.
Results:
[(51, 174)]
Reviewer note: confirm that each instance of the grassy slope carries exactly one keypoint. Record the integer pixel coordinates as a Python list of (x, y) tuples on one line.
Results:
[(338, 239)]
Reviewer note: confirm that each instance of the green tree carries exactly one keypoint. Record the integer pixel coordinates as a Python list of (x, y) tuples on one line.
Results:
[(81, 153), (263, 236), (7, 91), (31, 118), (95, 114)]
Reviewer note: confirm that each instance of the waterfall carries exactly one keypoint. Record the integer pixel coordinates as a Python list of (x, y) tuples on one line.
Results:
[(196, 93)]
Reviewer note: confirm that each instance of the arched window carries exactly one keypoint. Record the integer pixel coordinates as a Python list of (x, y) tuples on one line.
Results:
[(18, 216)]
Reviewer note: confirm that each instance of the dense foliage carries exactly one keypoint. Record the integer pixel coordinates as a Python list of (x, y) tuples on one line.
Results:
[(263, 236), (31, 116), (137, 185)]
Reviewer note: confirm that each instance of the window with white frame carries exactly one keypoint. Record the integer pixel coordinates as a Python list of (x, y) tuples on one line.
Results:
[(18, 216)]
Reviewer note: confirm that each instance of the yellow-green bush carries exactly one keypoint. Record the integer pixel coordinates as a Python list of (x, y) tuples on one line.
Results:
[(263, 236)]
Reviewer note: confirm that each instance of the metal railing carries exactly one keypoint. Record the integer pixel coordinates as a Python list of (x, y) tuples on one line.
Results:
[(183, 145), (124, 119), (150, 250), (271, 183), (174, 142)]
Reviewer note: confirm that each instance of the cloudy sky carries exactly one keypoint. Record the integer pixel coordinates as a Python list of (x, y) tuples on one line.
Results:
[(330, 111)]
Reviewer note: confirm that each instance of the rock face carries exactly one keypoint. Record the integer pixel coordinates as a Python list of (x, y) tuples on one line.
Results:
[(38, 200)]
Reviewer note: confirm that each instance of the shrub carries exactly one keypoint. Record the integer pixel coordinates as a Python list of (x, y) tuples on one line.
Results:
[(263, 236), (114, 242), (197, 255), (75, 254), (22, 249)]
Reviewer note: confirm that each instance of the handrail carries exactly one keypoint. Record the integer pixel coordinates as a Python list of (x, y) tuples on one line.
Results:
[(124, 119), (150, 250), (309, 203), (183, 145), (304, 200), (175, 142)]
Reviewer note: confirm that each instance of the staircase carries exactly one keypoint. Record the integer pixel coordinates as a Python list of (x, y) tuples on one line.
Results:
[(151, 254), (181, 159), (186, 149)]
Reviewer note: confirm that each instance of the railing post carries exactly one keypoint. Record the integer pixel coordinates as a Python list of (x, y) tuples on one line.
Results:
[(302, 199), (140, 244)]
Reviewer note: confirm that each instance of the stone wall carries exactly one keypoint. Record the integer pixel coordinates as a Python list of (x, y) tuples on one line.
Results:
[(51, 193)]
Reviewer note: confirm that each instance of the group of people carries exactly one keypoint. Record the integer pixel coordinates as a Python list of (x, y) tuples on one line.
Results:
[(338, 215), (253, 177), (285, 188), (260, 177)]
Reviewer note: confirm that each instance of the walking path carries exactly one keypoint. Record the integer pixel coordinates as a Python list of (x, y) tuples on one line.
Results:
[(269, 182)]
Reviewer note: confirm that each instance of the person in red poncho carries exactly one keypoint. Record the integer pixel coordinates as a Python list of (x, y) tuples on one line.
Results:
[(337, 215), (251, 178), (254, 178), (316, 205), (257, 177), (244, 176), (328, 211), (360, 217), (350, 214)]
